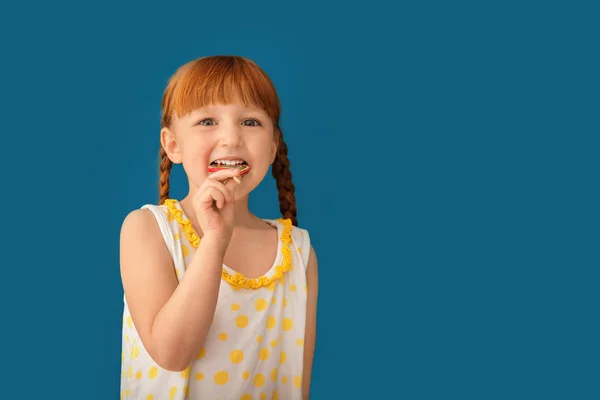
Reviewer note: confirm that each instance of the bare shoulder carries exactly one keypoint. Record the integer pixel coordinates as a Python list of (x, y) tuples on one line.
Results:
[(142, 243), (140, 231), (136, 222)]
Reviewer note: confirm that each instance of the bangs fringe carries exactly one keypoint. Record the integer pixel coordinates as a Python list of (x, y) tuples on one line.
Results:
[(218, 79)]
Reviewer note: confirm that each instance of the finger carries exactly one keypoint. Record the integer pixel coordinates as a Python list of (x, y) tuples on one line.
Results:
[(233, 183), (235, 180), (218, 197), (206, 195), (210, 195), (224, 174), (220, 187)]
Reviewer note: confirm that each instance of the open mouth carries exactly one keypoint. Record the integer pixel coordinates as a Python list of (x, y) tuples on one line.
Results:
[(218, 165)]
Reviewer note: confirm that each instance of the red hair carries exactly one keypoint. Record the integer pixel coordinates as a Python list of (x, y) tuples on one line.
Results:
[(216, 79)]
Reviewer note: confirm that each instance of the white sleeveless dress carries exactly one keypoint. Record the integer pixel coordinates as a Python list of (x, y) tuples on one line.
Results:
[(255, 346)]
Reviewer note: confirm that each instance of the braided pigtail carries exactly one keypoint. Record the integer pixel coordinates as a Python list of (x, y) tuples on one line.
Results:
[(283, 178), (164, 173)]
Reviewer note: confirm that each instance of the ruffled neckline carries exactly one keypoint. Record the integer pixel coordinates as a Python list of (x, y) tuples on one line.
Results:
[(283, 260)]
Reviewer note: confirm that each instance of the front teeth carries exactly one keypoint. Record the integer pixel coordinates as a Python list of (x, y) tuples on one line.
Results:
[(228, 162)]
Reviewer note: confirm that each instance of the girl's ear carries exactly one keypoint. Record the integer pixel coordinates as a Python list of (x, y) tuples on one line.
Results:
[(274, 150), (168, 140)]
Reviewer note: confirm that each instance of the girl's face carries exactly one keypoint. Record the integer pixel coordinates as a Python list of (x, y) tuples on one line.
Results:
[(222, 131)]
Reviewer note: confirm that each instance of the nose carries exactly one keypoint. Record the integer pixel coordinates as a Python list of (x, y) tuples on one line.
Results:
[(230, 136)]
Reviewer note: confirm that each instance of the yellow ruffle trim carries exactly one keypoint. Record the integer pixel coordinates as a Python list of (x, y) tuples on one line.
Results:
[(238, 280)]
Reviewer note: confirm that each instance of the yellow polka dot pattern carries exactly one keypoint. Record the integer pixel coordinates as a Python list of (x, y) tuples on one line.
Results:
[(153, 372), (221, 377), (259, 380), (201, 354), (241, 321), (185, 373), (287, 324), (264, 354), (236, 356), (254, 347), (261, 305)]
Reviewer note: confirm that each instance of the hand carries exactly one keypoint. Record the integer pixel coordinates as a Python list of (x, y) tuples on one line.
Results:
[(213, 203)]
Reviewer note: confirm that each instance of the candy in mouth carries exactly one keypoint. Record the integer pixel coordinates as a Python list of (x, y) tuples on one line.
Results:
[(219, 165)]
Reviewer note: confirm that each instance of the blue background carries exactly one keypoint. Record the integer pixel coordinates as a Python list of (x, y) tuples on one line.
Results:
[(445, 157)]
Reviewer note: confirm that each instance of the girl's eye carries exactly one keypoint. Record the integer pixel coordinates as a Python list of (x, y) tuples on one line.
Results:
[(204, 120), (254, 121)]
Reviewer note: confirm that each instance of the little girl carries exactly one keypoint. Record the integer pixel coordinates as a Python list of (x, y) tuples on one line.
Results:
[(218, 304)]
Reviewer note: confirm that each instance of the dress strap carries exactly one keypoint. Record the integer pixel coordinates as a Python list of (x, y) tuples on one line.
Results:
[(301, 239), (160, 213)]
